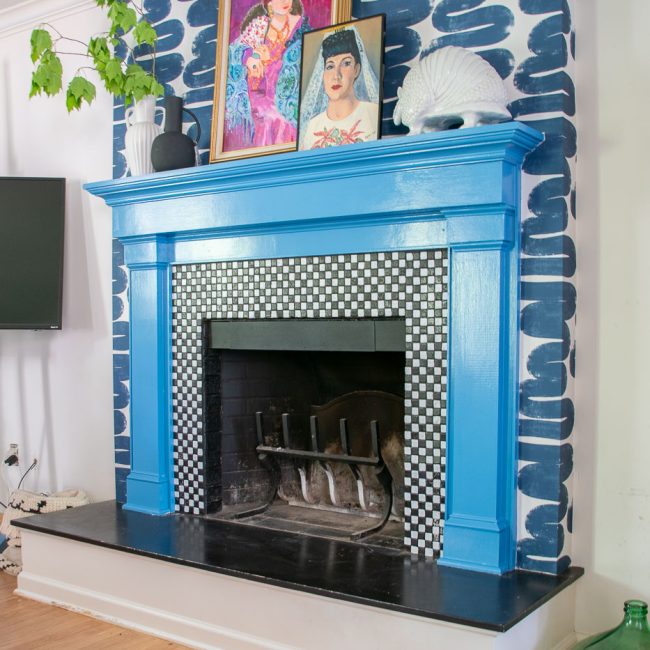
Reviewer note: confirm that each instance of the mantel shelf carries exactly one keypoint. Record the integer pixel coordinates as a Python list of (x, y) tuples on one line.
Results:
[(438, 176), (510, 141)]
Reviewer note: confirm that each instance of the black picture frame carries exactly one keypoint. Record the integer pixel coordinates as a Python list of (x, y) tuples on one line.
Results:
[(371, 32)]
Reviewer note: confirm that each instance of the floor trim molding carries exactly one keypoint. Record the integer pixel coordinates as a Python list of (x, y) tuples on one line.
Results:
[(135, 616)]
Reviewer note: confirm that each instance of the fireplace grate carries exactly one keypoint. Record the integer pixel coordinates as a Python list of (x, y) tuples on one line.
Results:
[(268, 456)]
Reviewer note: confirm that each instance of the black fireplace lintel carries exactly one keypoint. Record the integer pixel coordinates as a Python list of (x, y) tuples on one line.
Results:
[(359, 335)]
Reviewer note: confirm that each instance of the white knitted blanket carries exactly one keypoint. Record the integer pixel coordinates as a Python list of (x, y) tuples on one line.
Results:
[(23, 504)]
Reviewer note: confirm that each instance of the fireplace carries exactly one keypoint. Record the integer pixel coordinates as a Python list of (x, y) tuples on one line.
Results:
[(357, 289), (294, 432), (227, 242)]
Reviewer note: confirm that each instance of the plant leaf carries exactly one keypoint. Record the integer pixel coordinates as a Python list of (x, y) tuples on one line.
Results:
[(137, 82), (113, 76), (72, 103), (36, 88), (140, 83), (144, 33), (79, 90), (134, 68), (122, 17), (40, 41), (113, 68), (98, 49), (108, 53), (47, 76)]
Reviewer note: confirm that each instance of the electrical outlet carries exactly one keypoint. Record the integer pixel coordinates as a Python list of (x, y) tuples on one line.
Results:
[(12, 458)]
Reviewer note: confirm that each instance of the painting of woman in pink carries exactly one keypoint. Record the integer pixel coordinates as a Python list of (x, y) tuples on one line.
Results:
[(263, 76), (257, 72)]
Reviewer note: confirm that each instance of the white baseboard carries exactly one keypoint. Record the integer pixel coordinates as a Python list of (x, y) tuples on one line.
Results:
[(568, 642), (136, 616), (211, 611)]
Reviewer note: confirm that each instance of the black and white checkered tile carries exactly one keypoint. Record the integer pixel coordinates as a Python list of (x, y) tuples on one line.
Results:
[(410, 285)]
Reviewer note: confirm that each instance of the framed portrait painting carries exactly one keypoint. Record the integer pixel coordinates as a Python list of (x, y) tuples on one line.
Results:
[(341, 85), (257, 73)]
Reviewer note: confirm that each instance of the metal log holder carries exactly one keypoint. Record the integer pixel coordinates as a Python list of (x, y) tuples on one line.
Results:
[(268, 458)]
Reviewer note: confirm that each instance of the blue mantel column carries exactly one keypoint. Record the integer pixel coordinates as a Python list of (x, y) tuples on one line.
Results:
[(457, 190), (149, 484), (480, 515)]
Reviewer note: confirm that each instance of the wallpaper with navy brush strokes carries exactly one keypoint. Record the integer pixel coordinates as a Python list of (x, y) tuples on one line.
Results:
[(531, 44)]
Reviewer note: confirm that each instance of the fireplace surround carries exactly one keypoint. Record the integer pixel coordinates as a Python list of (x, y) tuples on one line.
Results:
[(454, 191), (410, 285)]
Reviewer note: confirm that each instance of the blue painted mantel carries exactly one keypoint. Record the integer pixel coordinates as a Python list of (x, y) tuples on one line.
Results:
[(457, 190)]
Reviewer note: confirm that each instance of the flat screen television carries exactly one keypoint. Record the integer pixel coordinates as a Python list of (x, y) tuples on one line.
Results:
[(32, 217)]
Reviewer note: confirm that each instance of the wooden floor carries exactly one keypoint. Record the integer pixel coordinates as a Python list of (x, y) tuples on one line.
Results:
[(28, 625)]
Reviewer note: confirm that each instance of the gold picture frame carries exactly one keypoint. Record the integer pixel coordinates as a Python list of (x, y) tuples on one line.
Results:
[(257, 72)]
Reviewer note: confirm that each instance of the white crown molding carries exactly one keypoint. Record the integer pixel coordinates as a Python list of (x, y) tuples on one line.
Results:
[(26, 15)]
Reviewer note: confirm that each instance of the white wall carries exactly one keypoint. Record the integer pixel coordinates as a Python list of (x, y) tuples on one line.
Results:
[(612, 479), (56, 387)]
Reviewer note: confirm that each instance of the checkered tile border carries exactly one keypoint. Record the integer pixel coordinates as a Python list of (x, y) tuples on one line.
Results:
[(408, 284)]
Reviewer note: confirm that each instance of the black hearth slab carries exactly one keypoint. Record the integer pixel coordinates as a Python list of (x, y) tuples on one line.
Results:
[(343, 570)]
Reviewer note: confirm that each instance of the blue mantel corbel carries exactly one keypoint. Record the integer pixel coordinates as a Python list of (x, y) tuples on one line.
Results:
[(457, 189)]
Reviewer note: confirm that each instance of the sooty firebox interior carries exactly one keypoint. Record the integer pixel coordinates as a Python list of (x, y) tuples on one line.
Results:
[(304, 425)]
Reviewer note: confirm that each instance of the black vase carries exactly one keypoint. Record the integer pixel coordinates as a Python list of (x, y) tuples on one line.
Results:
[(172, 149)]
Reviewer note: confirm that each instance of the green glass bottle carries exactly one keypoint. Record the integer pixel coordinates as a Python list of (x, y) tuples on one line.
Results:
[(632, 634)]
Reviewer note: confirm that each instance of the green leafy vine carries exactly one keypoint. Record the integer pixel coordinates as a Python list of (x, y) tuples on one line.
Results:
[(118, 76)]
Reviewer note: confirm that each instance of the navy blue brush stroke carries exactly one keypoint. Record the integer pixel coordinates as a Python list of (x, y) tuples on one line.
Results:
[(170, 36), (550, 304), (402, 44), (473, 26), (539, 479), (123, 443), (120, 483), (546, 7), (157, 10), (199, 95), (549, 255), (199, 71), (198, 74), (121, 336), (203, 13)]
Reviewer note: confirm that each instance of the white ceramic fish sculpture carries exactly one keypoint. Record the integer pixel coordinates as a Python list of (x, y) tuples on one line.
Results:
[(450, 88)]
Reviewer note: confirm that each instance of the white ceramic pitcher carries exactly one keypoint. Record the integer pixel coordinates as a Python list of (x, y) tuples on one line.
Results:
[(141, 130)]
